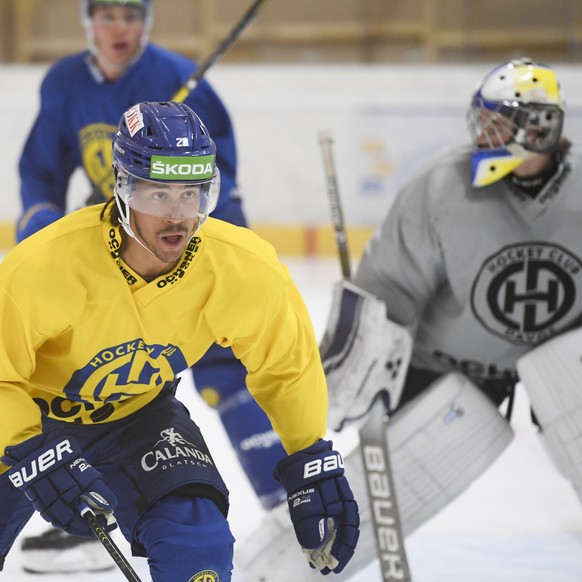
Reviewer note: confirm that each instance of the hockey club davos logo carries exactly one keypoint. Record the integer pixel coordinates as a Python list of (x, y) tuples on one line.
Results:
[(173, 450), (205, 576), (111, 377), (525, 292)]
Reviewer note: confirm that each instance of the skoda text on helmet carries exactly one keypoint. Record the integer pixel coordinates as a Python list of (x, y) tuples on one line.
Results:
[(87, 6), (516, 112), (165, 164)]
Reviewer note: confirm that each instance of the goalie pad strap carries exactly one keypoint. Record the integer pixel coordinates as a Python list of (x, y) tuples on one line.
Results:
[(340, 340)]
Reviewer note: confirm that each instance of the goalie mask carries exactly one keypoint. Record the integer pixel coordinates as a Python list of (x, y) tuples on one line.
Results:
[(516, 112), (165, 164)]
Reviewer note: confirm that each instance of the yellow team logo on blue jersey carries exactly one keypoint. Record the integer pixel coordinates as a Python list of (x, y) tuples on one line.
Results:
[(96, 153), (205, 576), (111, 376), (121, 371)]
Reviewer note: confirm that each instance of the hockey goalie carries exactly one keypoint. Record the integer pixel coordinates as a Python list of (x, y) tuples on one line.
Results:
[(469, 285)]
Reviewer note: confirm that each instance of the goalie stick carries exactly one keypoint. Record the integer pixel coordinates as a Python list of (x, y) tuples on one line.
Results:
[(373, 437), (103, 536)]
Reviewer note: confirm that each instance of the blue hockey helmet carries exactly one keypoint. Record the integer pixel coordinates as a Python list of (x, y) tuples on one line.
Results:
[(516, 112), (165, 143)]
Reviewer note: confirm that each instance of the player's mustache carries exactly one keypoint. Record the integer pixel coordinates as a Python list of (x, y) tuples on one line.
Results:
[(174, 229)]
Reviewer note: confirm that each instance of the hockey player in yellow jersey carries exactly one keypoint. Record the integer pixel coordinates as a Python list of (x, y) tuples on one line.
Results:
[(102, 310)]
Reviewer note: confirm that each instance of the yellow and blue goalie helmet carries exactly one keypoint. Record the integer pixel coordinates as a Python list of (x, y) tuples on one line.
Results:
[(516, 112)]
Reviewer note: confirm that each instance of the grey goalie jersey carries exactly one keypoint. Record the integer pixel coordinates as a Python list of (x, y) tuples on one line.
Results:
[(481, 275)]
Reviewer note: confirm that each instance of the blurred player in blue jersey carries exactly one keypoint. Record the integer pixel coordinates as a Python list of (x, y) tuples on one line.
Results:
[(82, 99), (134, 291)]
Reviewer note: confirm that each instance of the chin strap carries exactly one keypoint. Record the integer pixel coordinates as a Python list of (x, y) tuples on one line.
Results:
[(124, 212), (124, 221)]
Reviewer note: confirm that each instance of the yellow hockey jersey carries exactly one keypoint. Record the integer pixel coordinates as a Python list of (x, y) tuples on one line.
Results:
[(85, 339)]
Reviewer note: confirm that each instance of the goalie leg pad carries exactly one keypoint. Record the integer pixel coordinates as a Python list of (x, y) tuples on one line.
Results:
[(552, 377), (440, 442), (363, 353)]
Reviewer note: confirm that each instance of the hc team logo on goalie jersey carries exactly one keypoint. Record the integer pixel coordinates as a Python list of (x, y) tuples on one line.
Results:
[(526, 293)]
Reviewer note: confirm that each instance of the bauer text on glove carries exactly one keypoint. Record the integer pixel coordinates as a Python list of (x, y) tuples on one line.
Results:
[(58, 480), (322, 506)]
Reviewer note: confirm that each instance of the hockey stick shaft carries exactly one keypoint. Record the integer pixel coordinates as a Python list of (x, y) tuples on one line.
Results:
[(192, 81), (103, 536), (337, 215), (373, 440), (382, 495)]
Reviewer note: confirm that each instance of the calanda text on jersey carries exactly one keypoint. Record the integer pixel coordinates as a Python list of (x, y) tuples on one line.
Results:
[(86, 340)]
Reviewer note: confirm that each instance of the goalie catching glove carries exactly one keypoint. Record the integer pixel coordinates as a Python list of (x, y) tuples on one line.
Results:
[(322, 506), (59, 482), (363, 353)]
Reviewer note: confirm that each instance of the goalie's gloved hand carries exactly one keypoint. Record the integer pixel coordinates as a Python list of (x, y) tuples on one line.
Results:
[(322, 506), (58, 480), (364, 354)]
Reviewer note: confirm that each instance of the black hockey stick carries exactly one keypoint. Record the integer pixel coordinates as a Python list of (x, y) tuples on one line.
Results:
[(373, 441), (103, 536), (337, 214), (190, 84)]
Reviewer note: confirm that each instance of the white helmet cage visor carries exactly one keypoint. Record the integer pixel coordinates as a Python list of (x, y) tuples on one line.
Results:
[(172, 199), (535, 127)]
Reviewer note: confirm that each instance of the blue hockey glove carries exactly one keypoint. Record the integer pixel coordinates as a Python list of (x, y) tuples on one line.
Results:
[(322, 506), (58, 481)]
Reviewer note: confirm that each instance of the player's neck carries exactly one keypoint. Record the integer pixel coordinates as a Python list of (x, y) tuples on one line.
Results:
[(109, 71), (534, 166)]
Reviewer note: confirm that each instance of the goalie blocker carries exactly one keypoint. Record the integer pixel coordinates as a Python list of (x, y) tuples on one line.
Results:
[(440, 442)]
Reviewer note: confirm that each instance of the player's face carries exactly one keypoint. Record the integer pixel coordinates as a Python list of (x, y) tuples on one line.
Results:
[(117, 32), (166, 236), (164, 199)]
